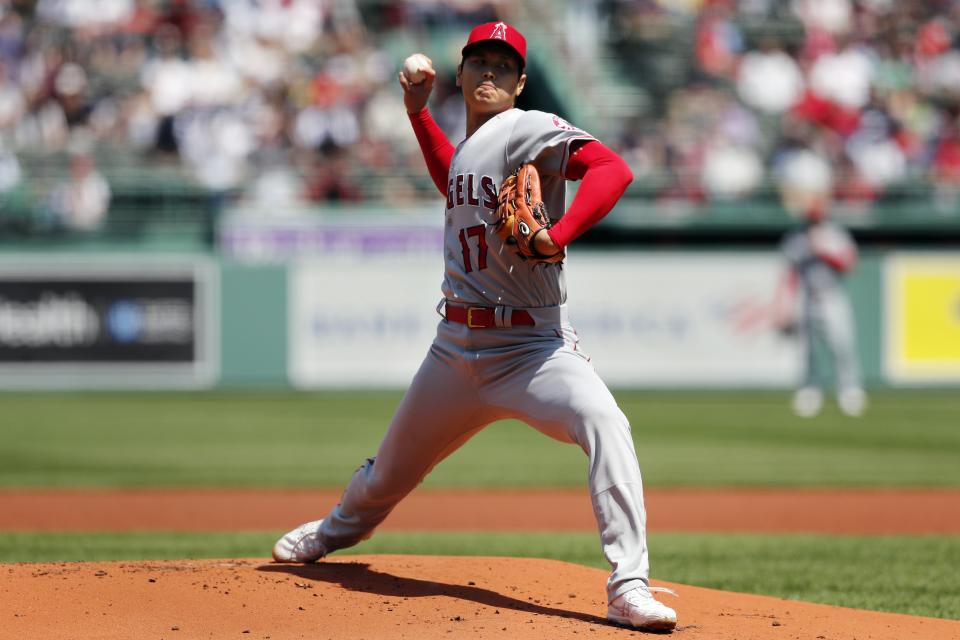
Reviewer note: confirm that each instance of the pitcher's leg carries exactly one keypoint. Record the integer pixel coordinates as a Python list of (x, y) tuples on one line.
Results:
[(564, 398), (438, 413), (622, 523)]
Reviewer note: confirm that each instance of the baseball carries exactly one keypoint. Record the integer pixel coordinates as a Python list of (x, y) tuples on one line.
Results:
[(414, 66)]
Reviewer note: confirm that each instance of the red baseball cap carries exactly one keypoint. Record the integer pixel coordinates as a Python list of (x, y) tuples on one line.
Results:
[(498, 32)]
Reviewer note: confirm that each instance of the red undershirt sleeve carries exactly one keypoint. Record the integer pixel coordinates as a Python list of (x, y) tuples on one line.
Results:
[(605, 177), (437, 150)]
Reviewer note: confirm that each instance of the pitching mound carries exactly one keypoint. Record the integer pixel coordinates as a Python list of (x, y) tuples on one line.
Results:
[(373, 597)]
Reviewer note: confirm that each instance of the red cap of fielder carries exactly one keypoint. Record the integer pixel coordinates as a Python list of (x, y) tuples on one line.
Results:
[(498, 32)]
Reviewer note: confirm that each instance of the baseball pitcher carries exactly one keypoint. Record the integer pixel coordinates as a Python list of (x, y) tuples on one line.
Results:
[(505, 347)]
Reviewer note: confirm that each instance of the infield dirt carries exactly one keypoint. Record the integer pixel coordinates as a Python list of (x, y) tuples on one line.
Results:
[(864, 511), (425, 598)]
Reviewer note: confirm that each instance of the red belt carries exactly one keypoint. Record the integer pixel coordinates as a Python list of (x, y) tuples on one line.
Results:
[(485, 317)]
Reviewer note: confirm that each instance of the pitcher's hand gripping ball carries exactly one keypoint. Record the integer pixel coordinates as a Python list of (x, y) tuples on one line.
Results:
[(522, 215), (415, 67)]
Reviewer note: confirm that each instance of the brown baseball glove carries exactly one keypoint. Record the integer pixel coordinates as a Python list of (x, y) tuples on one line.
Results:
[(523, 215)]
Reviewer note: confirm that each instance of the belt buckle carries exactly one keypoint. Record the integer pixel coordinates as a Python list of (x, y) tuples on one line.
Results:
[(470, 324)]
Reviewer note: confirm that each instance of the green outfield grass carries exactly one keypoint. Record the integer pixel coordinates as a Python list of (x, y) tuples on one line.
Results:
[(318, 439), (288, 439), (914, 575)]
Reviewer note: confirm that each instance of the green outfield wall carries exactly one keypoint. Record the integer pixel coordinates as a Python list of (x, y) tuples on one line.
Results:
[(364, 318), (253, 337), (865, 286)]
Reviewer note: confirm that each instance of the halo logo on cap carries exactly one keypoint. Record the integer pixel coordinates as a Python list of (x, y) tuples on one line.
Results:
[(498, 32)]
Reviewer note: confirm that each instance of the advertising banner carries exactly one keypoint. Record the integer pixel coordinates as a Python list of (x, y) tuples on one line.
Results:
[(363, 321), (680, 319), (93, 322), (647, 320), (258, 236), (922, 329)]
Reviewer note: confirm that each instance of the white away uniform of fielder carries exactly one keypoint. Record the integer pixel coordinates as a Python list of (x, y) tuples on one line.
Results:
[(472, 377), (825, 311)]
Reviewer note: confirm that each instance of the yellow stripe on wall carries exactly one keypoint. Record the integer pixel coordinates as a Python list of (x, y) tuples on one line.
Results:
[(922, 320)]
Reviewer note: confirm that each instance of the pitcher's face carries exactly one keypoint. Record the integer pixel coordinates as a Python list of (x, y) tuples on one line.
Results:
[(490, 78)]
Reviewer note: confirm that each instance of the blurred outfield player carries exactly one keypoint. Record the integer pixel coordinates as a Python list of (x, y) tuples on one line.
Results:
[(811, 302), (505, 348)]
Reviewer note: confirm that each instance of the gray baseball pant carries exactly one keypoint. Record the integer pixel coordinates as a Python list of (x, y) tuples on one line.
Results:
[(471, 378), (831, 318)]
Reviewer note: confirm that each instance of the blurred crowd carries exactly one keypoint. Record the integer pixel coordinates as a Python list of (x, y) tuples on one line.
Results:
[(277, 102), (285, 102), (872, 86)]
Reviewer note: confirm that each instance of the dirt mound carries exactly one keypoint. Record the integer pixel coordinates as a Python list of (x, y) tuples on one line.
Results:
[(369, 597)]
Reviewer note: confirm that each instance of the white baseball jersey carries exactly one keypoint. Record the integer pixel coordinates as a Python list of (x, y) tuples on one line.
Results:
[(818, 279), (480, 268)]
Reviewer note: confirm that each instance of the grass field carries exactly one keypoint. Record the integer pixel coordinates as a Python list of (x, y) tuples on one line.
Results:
[(291, 439), (909, 438)]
